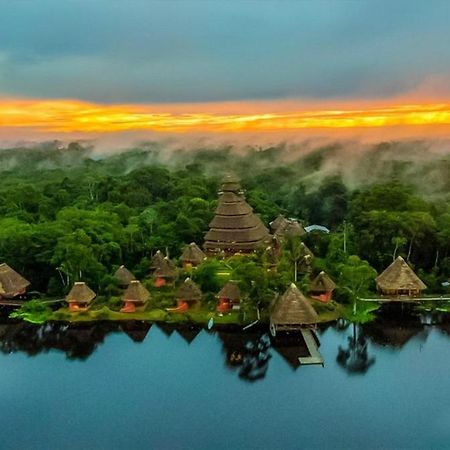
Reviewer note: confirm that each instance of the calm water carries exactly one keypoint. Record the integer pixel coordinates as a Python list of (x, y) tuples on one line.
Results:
[(105, 387)]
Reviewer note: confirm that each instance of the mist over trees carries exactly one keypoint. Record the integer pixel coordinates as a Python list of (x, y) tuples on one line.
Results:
[(70, 213)]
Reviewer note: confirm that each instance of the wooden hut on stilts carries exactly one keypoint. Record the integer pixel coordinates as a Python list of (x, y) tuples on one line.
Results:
[(292, 311), (399, 280), (11, 283), (80, 297)]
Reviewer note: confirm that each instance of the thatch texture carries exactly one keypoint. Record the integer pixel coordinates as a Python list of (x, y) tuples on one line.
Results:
[(166, 269), (124, 276), (230, 292), (156, 260), (290, 228), (11, 283), (322, 283), (399, 277), (292, 308), (278, 222), (231, 183), (80, 293), (192, 254), (234, 228), (189, 291), (136, 293)]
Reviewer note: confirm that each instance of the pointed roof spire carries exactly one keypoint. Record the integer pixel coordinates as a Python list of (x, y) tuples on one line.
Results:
[(11, 283), (322, 283), (80, 293), (399, 276), (136, 292), (292, 308), (124, 276)]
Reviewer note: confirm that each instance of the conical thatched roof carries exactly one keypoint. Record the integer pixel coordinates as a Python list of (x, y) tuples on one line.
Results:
[(290, 228), (234, 227), (166, 269), (156, 260), (189, 291), (124, 276), (230, 291), (322, 283), (278, 222), (230, 183), (399, 276), (193, 253), (11, 283), (292, 308), (136, 292), (80, 293)]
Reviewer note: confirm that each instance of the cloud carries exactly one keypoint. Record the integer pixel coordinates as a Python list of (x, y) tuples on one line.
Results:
[(187, 51)]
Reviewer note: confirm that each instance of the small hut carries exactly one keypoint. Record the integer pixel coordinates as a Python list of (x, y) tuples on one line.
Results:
[(156, 261), (289, 229), (135, 297), (123, 276), (399, 280), (192, 256), (80, 297), (292, 310), (11, 283), (322, 287), (229, 297), (188, 295), (165, 273), (278, 222)]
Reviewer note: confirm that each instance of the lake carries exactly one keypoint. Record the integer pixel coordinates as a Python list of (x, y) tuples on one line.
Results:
[(131, 386)]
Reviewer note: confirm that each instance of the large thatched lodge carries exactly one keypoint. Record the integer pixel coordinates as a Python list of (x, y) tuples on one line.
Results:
[(235, 228)]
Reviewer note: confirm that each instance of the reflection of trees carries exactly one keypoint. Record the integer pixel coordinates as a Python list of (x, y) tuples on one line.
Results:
[(249, 352), (76, 341), (355, 358)]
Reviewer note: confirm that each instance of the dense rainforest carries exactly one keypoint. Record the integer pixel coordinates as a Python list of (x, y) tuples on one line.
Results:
[(71, 212)]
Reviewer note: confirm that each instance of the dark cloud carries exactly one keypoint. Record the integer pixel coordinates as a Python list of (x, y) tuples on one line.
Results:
[(177, 51)]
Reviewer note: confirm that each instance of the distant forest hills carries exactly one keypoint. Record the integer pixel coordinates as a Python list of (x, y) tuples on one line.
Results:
[(421, 164), (72, 211)]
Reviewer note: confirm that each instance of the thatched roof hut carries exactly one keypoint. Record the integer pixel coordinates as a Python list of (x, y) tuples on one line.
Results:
[(189, 291), (399, 279), (235, 227), (156, 260), (80, 293), (278, 222), (166, 269), (292, 310), (192, 254), (124, 276), (136, 293), (290, 228), (230, 292), (11, 283), (322, 283)]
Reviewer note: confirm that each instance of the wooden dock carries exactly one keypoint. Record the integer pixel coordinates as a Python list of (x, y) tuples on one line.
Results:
[(315, 356), (17, 303), (406, 299)]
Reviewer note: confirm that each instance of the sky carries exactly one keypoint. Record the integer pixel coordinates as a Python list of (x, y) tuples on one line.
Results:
[(104, 66)]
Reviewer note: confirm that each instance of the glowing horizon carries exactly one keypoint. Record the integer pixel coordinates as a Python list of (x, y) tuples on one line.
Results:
[(69, 116)]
